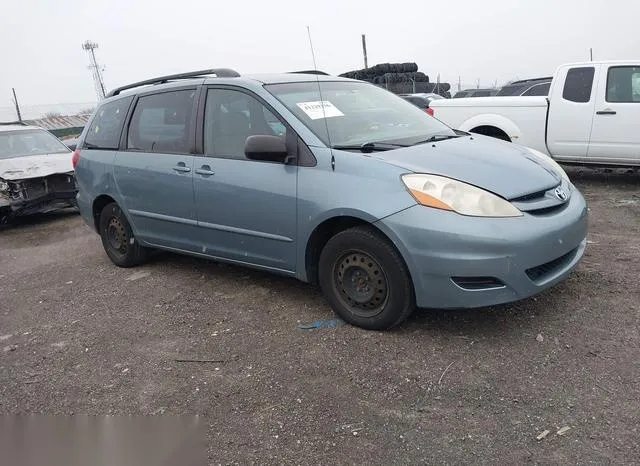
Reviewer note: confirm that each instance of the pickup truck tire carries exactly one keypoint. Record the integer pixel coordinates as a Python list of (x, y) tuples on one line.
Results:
[(491, 131), (118, 240), (365, 279)]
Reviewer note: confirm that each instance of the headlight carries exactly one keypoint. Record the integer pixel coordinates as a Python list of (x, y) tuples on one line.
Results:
[(448, 194), (4, 186), (550, 161)]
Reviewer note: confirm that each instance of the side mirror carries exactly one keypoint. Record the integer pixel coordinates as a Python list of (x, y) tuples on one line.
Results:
[(266, 148)]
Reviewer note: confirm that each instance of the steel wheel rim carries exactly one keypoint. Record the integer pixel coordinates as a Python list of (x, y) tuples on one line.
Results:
[(117, 237), (361, 283)]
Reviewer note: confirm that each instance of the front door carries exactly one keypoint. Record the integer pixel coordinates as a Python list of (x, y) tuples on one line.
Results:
[(616, 124), (154, 172), (246, 209)]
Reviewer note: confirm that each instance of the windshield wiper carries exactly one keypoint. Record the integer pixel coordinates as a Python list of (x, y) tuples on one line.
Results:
[(369, 147), (437, 137)]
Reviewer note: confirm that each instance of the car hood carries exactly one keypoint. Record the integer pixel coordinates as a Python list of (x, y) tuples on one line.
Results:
[(35, 166), (503, 168)]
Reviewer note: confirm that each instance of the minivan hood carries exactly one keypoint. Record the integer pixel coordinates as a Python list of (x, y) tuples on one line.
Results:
[(503, 168), (35, 166)]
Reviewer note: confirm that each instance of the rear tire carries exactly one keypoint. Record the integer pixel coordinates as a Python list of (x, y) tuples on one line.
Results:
[(365, 279), (117, 238)]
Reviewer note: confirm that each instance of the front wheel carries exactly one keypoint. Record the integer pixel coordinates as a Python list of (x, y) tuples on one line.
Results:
[(117, 238), (365, 279)]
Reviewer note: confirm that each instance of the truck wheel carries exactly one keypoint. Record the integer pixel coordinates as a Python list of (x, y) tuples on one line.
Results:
[(117, 238), (365, 279)]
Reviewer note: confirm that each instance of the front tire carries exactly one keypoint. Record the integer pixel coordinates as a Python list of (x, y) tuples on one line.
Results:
[(117, 238), (365, 279)]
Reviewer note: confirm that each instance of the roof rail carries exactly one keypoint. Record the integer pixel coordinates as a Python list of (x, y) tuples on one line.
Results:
[(310, 72), (523, 81), (219, 72)]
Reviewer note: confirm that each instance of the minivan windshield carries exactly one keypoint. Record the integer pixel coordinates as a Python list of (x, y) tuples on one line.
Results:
[(357, 113), (22, 143)]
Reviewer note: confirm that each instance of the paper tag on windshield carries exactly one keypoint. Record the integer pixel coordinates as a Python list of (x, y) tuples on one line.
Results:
[(320, 109)]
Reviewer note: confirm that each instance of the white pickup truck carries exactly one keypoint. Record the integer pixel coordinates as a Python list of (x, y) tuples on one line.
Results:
[(591, 115)]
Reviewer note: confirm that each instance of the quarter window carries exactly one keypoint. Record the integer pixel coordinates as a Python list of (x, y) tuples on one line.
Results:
[(106, 127), (162, 122), (578, 84), (623, 84), (230, 118)]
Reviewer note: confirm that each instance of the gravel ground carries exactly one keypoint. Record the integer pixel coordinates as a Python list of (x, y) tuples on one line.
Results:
[(82, 336)]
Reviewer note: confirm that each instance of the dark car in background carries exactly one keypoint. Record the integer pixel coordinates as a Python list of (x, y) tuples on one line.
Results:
[(475, 93), (526, 87), (421, 100)]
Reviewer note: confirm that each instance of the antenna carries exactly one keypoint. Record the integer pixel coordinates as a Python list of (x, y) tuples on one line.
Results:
[(324, 115), (98, 82)]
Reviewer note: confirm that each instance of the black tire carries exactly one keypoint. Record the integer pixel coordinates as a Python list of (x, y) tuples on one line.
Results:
[(375, 293), (118, 240)]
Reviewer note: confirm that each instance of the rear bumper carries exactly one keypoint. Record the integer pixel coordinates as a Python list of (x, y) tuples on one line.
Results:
[(504, 260)]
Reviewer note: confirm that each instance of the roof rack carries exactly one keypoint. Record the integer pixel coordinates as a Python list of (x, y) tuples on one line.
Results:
[(219, 72), (310, 72)]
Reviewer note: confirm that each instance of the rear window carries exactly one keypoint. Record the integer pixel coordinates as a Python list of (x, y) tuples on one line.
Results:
[(106, 127), (577, 86), (161, 122)]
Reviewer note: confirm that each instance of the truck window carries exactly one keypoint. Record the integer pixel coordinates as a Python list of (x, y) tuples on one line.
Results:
[(577, 86), (623, 84)]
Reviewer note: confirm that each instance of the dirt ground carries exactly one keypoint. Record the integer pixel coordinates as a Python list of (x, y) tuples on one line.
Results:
[(79, 335)]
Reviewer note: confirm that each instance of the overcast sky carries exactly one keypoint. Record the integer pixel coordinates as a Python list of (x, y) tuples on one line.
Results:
[(42, 57)]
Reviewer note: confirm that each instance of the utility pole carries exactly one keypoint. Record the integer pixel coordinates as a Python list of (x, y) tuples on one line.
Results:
[(591, 53), (364, 50), (15, 101), (98, 82)]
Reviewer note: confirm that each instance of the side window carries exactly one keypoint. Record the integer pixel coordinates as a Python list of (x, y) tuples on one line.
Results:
[(623, 84), (578, 84), (162, 122), (538, 89), (104, 131), (481, 94), (230, 117)]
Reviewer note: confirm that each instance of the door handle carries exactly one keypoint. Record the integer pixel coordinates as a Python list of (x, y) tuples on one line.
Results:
[(181, 168), (205, 170), (606, 112)]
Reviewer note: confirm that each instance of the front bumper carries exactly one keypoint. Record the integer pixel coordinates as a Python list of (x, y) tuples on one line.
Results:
[(505, 259), (38, 195)]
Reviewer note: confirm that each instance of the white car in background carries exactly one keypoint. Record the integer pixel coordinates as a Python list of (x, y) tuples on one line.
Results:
[(591, 115), (36, 173)]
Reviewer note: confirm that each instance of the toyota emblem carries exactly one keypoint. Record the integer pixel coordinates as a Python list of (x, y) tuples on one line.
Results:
[(560, 194)]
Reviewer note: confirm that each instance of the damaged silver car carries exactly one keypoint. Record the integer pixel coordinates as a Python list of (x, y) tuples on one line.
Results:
[(36, 173)]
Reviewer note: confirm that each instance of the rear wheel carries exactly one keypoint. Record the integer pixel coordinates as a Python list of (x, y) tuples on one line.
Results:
[(365, 279), (117, 238)]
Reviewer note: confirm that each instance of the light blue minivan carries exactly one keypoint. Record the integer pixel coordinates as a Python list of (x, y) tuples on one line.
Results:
[(329, 180)]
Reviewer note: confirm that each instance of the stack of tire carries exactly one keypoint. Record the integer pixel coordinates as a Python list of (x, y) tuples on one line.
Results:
[(399, 78)]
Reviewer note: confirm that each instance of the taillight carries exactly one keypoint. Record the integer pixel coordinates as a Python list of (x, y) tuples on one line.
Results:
[(430, 111), (75, 158)]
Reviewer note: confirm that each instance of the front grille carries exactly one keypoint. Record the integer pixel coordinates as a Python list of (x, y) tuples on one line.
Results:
[(543, 271), (477, 283), (548, 210), (530, 197)]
